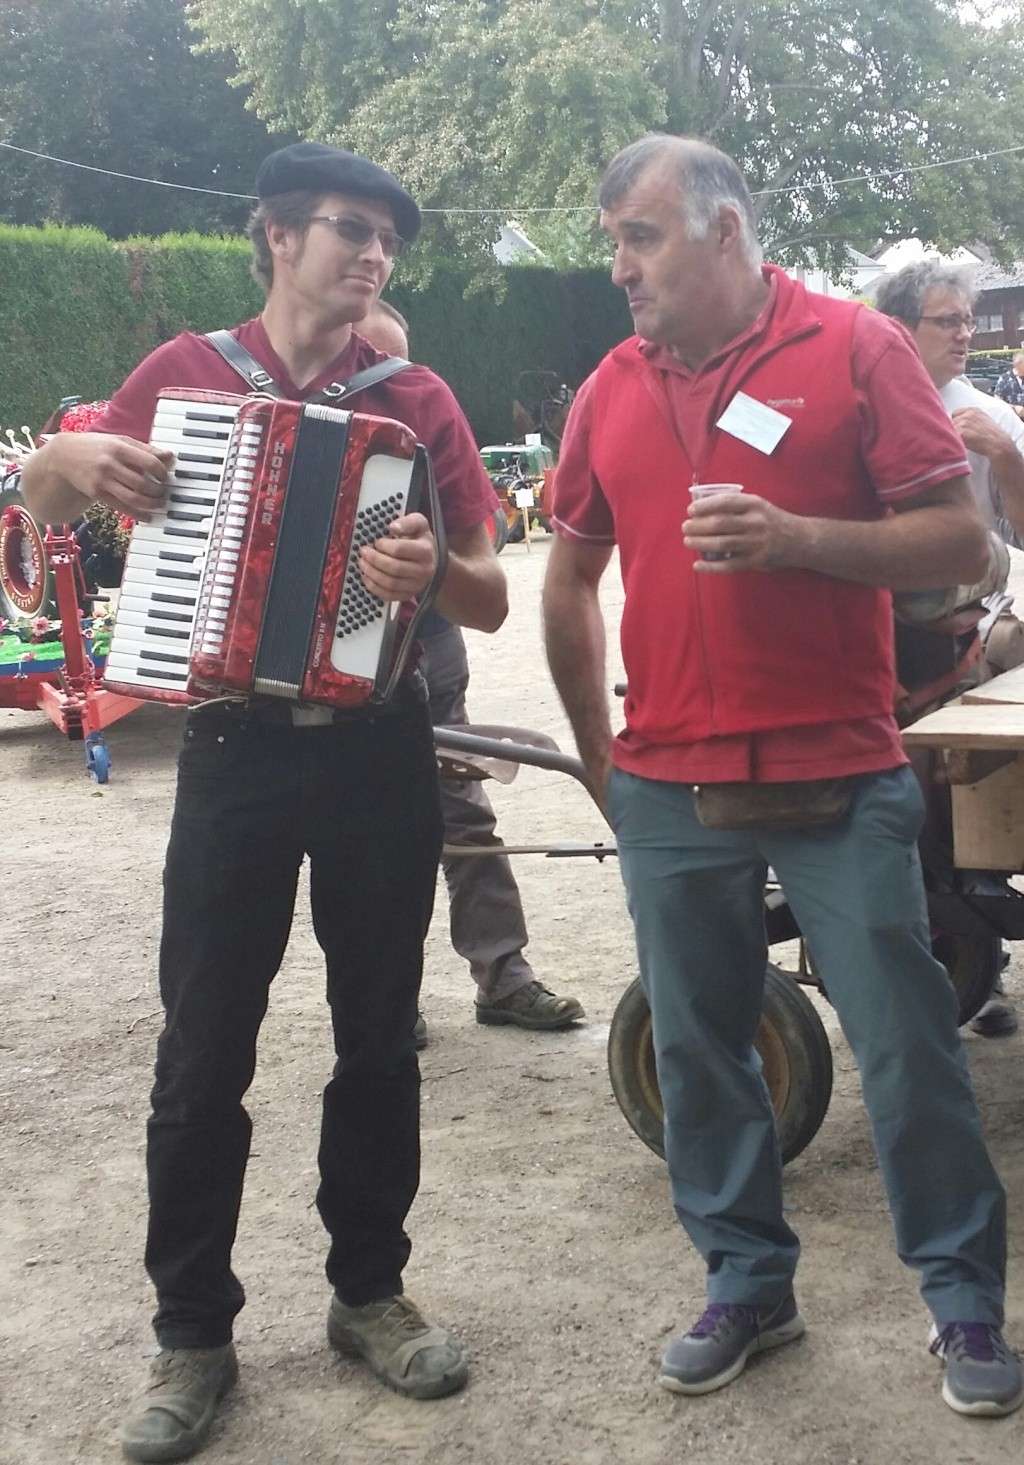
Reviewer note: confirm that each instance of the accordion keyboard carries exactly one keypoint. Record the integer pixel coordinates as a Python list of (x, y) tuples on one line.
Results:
[(156, 610)]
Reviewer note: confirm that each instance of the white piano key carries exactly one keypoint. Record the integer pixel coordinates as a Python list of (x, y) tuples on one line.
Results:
[(181, 406), (176, 536), (174, 645), (133, 657), (165, 564), (180, 603), (163, 577), (174, 417), (155, 615), (130, 678), (192, 499)]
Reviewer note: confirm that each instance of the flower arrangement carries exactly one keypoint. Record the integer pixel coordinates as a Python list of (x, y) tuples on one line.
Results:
[(109, 529)]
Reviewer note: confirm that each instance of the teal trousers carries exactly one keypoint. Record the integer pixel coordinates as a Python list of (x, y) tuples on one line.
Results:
[(855, 887)]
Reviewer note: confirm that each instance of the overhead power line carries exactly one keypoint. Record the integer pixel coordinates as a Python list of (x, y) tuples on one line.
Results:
[(514, 211), (130, 177), (893, 172)]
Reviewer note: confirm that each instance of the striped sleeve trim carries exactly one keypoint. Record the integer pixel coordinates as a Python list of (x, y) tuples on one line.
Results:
[(958, 469), (564, 528)]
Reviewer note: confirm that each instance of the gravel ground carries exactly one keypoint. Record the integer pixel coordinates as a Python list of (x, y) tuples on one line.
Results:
[(542, 1231)]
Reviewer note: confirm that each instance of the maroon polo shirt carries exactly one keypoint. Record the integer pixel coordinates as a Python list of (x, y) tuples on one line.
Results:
[(415, 396)]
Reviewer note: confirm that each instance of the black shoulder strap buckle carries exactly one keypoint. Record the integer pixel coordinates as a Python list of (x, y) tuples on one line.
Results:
[(241, 361), (370, 376)]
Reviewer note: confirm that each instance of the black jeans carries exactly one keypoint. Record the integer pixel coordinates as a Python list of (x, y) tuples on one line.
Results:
[(360, 798)]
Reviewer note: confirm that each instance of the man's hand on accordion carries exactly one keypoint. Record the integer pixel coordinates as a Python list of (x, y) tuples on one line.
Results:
[(116, 471), (399, 566)]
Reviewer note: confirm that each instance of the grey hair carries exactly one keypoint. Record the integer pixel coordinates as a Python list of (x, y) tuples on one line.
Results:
[(709, 180), (902, 295), (287, 210)]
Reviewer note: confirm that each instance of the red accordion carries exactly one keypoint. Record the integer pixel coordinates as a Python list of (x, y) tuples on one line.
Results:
[(247, 582)]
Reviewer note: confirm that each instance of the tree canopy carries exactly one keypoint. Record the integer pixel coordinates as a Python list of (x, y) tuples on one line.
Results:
[(115, 84), (514, 105)]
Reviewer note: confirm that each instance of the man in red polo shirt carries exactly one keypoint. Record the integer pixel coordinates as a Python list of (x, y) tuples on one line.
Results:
[(262, 786), (757, 640)]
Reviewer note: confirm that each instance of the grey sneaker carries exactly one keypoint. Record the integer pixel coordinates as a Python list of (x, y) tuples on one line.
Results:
[(716, 1348), (401, 1347), (983, 1375), (173, 1417)]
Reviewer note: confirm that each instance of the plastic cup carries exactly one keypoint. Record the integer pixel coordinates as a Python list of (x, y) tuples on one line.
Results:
[(705, 490)]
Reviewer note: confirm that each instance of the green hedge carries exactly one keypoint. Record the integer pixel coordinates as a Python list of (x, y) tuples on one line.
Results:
[(68, 319), (78, 311)]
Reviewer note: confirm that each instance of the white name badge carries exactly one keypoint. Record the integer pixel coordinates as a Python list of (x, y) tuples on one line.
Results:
[(752, 422)]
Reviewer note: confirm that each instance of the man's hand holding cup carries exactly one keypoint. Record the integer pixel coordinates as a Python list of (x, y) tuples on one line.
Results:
[(729, 530)]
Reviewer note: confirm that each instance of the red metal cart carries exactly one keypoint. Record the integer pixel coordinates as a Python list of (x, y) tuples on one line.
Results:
[(68, 686)]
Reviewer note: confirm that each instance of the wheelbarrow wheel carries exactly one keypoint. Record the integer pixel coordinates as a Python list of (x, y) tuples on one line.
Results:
[(973, 962), (791, 1041), (497, 530), (26, 580)]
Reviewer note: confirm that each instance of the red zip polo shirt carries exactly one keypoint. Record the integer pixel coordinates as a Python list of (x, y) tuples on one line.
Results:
[(766, 676)]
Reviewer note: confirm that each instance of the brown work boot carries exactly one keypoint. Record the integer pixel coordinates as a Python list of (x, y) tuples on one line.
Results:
[(173, 1417), (531, 1006), (408, 1353)]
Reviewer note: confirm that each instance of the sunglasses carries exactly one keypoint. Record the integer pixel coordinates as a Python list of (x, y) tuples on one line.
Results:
[(360, 233), (953, 322)]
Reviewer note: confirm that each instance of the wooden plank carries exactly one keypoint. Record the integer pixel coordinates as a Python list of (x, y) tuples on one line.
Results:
[(999, 726), (969, 765), (988, 821), (1009, 687)]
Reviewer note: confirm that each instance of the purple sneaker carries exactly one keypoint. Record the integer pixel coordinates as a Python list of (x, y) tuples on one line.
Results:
[(983, 1374), (716, 1348)]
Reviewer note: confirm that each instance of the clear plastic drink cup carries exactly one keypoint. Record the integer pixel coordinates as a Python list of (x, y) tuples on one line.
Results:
[(705, 490)]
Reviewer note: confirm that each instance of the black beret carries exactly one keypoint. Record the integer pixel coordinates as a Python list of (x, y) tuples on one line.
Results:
[(322, 169)]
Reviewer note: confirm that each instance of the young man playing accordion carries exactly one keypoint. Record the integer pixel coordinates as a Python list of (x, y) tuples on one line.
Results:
[(260, 786)]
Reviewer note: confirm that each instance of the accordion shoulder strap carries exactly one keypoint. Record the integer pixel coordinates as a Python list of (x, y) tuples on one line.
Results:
[(259, 380)]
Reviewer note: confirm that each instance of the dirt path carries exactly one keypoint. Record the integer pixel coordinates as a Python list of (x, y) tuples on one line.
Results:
[(542, 1230)]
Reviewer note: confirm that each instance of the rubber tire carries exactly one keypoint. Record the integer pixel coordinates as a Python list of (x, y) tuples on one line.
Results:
[(791, 1040), (973, 963), (516, 532), (497, 530), (47, 600), (97, 759)]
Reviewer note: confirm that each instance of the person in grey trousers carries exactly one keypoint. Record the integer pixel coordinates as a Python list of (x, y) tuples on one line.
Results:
[(488, 927)]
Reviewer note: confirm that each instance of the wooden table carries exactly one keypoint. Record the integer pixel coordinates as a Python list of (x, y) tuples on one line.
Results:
[(980, 738)]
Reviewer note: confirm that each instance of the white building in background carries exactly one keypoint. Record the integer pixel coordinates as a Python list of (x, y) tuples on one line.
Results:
[(861, 271), (908, 251), (512, 247)]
